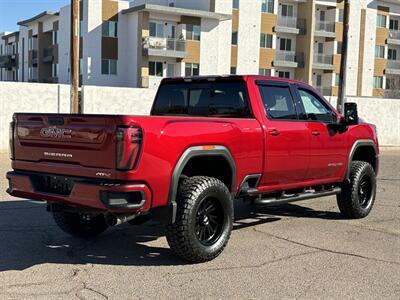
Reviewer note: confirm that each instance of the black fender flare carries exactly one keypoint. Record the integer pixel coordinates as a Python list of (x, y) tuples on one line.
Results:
[(356, 145), (196, 151)]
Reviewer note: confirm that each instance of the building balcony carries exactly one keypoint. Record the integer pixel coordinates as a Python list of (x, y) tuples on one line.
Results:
[(289, 59), (393, 67), (33, 55), (50, 80), (48, 55), (326, 91), (394, 37), (290, 25), (8, 61), (166, 47), (325, 29), (323, 62)]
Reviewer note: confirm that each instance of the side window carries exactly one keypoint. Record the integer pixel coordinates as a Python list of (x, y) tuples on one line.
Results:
[(313, 108), (278, 102)]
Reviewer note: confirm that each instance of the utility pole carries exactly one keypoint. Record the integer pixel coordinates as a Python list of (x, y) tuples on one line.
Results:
[(343, 61), (74, 57)]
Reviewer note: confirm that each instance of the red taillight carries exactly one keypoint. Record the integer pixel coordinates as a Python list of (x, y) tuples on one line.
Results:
[(129, 142), (11, 139)]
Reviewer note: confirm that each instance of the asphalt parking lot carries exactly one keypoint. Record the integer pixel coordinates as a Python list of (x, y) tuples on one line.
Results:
[(301, 250)]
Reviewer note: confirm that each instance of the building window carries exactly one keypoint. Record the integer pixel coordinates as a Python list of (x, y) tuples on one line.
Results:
[(287, 10), (235, 4), (378, 82), (284, 74), (234, 38), (110, 29), (392, 54), (381, 21), (81, 28), (266, 40), (156, 29), (339, 48), (32, 74), (32, 43), (285, 44), (54, 70), (80, 66), (156, 68), (233, 70), (55, 37), (193, 32), (267, 6), (192, 69), (264, 72), (394, 24), (341, 15), (109, 66), (337, 77), (380, 51)]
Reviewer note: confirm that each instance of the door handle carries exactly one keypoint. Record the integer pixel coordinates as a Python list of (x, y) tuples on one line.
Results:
[(274, 131), (315, 132)]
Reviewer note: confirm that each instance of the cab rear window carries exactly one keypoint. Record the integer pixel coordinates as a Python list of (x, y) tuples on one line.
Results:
[(207, 99)]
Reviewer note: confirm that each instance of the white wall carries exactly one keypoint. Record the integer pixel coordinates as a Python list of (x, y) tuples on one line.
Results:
[(29, 97), (353, 43), (131, 48), (249, 37), (63, 45), (124, 101), (215, 47)]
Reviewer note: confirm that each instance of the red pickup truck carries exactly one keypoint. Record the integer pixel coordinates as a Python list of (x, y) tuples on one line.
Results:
[(208, 141)]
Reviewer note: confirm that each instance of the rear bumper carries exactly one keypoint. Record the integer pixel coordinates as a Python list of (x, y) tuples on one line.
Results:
[(85, 193)]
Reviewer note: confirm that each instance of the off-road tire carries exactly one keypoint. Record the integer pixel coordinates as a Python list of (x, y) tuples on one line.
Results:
[(350, 200), (75, 224), (182, 236)]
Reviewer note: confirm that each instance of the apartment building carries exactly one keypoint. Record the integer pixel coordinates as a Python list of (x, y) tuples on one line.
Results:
[(137, 43), (9, 60)]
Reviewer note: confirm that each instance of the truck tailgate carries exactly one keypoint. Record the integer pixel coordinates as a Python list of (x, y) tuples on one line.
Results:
[(87, 141)]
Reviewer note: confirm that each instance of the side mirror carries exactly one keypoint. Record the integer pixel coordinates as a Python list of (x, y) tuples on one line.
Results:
[(350, 114)]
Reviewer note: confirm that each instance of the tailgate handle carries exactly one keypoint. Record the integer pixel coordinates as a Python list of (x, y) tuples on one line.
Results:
[(56, 121)]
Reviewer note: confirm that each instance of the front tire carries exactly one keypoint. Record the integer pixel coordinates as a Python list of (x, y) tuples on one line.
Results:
[(357, 197), (204, 219), (80, 225)]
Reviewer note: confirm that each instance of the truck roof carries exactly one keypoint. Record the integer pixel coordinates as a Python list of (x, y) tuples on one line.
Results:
[(231, 77)]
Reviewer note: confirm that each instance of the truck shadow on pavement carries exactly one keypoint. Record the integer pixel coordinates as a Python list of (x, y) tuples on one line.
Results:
[(29, 237)]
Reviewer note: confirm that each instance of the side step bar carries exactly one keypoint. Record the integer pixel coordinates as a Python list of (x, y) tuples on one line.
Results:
[(298, 197)]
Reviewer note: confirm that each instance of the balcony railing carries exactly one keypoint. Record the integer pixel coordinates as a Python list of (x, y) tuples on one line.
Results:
[(48, 55), (289, 59), (326, 91), (290, 23), (325, 26), (165, 46), (325, 59), (287, 21), (393, 64), (394, 34), (7, 61)]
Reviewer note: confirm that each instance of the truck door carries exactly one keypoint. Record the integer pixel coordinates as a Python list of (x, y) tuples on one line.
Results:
[(328, 152), (286, 139)]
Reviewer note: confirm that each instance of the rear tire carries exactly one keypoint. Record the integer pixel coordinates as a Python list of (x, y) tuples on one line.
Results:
[(80, 225), (357, 197), (204, 219)]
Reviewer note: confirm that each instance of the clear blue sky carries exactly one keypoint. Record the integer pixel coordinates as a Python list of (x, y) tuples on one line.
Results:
[(13, 11)]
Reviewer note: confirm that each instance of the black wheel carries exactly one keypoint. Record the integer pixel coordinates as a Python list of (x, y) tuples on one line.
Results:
[(357, 197), (80, 225), (204, 219)]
